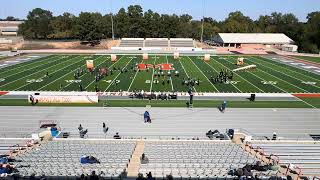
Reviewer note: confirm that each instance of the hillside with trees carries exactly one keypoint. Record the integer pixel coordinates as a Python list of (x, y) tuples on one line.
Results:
[(134, 22)]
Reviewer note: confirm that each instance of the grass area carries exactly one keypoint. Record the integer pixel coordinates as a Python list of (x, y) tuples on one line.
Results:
[(312, 59), (178, 103), (269, 77)]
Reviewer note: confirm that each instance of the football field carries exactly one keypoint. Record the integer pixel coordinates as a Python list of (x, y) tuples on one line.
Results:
[(269, 76)]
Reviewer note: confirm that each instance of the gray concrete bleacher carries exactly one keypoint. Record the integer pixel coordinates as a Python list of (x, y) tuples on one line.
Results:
[(7, 145), (132, 42), (194, 159), (177, 42), (156, 42), (22, 121), (303, 155), (62, 158)]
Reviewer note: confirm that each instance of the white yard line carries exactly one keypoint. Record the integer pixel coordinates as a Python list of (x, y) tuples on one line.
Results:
[(171, 74), (53, 73), (63, 77), (203, 74), (22, 66), (237, 75), (185, 72), (307, 103), (33, 73), (265, 80), (307, 76), (279, 71), (155, 59), (117, 75), (108, 67), (284, 80), (32, 67), (133, 78)]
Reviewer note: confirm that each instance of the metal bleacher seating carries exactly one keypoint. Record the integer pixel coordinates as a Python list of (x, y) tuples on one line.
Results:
[(62, 158), (156, 43), (132, 42), (194, 159), (301, 155), (7, 145), (177, 42)]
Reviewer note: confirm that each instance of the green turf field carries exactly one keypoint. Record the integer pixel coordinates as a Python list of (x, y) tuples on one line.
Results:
[(310, 59), (179, 103), (269, 77)]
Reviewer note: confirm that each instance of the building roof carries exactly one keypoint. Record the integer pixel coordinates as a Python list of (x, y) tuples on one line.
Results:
[(253, 38)]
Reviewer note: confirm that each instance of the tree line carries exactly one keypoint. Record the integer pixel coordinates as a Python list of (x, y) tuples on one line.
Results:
[(133, 22)]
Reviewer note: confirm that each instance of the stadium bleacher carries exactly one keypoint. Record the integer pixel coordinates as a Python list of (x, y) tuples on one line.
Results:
[(181, 42), (150, 42), (157, 42), (304, 156), (132, 42), (62, 158), (7, 145), (194, 159)]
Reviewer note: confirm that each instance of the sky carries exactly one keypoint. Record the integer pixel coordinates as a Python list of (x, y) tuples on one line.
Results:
[(217, 9)]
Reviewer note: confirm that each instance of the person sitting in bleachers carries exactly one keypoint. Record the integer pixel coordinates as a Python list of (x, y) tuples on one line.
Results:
[(149, 176), (6, 169), (93, 176), (274, 136), (117, 136), (144, 159), (89, 160), (80, 128)]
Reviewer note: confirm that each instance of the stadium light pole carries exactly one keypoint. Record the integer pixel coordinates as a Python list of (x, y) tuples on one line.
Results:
[(202, 25), (112, 30)]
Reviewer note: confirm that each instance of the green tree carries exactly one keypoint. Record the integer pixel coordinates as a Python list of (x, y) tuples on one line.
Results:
[(37, 25), (63, 26), (89, 26)]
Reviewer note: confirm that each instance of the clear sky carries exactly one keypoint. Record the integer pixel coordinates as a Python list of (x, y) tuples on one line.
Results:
[(217, 9)]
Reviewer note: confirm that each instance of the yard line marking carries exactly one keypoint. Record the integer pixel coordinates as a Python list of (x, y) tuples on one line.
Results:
[(133, 78), (185, 72), (307, 103), (155, 59), (284, 80), (33, 67), (54, 71), (262, 79), (171, 74), (282, 73), (118, 75), (108, 68), (31, 62), (218, 72), (34, 72), (203, 74), (66, 75), (306, 76), (237, 75)]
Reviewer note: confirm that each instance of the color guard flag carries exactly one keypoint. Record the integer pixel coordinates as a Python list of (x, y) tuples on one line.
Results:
[(176, 55), (113, 57), (145, 56), (89, 64), (207, 57)]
